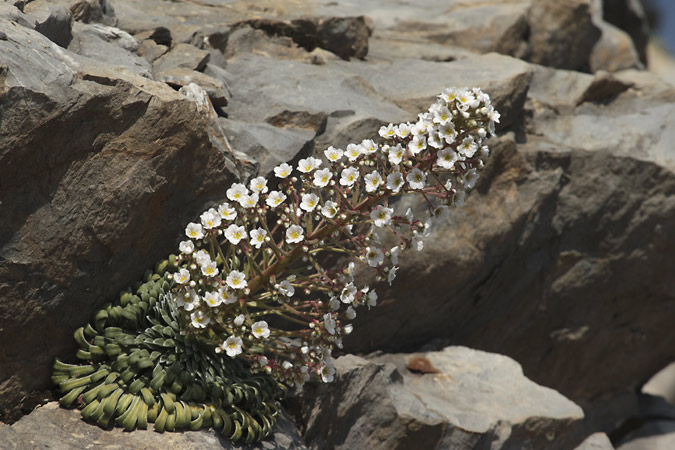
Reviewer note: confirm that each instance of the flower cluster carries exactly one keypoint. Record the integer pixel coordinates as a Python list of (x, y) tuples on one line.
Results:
[(258, 278)]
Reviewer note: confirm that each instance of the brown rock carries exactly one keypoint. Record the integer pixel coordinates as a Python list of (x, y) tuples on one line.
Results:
[(99, 172)]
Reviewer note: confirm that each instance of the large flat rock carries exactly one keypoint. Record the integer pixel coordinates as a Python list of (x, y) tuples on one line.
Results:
[(461, 399)]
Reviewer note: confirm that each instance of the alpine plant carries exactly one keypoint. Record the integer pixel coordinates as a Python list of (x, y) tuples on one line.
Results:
[(263, 288), (258, 282)]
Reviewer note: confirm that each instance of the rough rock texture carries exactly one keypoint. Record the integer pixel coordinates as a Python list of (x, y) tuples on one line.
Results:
[(596, 441), (467, 399), (50, 426), (99, 171), (561, 259)]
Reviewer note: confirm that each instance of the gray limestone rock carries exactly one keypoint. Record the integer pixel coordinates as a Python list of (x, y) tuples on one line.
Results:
[(109, 46), (596, 441), (179, 77), (53, 427), (184, 56), (57, 26), (100, 170), (461, 399), (562, 34)]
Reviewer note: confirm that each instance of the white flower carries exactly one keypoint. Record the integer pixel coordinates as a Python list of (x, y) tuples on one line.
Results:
[(387, 132), (275, 199), (194, 231), (283, 170), (263, 361), (187, 300), (458, 198), (394, 181), (186, 247), (403, 130), (442, 115), (182, 276), (287, 365), (417, 144), (351, 313), (237, 192), (232, 346), (329, 209), (435, 140), (372, 298), (235, 233), (260, 329), (239, 320), (334, 304), (202, 257), (447, 158), (347, 294), (286, 288), (210, 219), (373, 180), (381, 215), (333, 154), (227, 296), (294, 234), (368, 146), (227, 212), (395, 154), (213, 299), (210, 269), (353, 152), (417, 242), (199, 320), (257, 237), (416, 179), (327, 373), (249, 201), (447, 132), (470, 178), (329, 323), (468, 147), (466, 100), (308, 164), (259, 185), (448, 95), (393, 254), (309, 202), (322, 177), (392, 274), (374, 256), (347, 329), (236, 280), (349, 176)]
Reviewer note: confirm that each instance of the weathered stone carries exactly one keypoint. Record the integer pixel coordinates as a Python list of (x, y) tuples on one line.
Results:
[(94, 11), (472, 399), (631, 17), (99, 172), (110, 46), (344, 36), (150, 50), (596, 441), (614, 51), (562, 34), (58, 26), (522, 251), (245, 39), (347, 37), (182, 55), (179, 77), (636, 124), (50, 426)]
